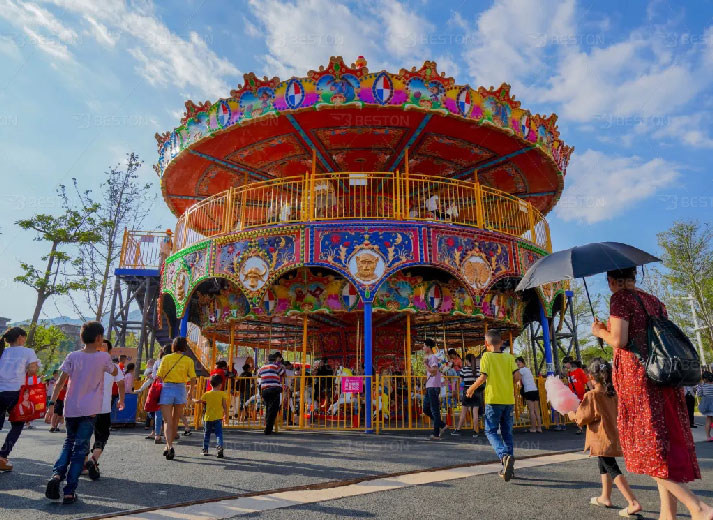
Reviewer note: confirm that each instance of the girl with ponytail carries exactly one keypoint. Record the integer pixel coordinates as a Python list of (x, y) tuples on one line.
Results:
[(16, 361), (597, 412)]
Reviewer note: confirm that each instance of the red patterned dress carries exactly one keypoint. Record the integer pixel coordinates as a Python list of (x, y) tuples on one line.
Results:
[(653, 421)]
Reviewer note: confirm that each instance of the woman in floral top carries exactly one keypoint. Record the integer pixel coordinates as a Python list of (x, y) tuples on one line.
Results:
[(653, 420)]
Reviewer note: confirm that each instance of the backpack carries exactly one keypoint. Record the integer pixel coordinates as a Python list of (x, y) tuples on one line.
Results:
[(672, 359)]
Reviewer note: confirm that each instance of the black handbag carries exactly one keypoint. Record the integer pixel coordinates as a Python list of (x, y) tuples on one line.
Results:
[(672, 359)]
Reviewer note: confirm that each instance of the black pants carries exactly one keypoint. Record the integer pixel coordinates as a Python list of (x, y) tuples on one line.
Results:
[(7, 401), (608, 465), (271, 397), (102, 430), (691, 405)]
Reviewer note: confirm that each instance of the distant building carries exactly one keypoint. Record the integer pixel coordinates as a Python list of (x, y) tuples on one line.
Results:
[(4, 322)]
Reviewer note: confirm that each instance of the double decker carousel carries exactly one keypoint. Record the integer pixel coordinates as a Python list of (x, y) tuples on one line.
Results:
[(351, 214)]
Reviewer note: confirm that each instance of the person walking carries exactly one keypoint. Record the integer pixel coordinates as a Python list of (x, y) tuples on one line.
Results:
[(16, 363), (83, 372), (598, 411), (102, 423), (271, 377), (705, 393), (531, 395), (500, 371), (431, 402), (690, 393), (653, 422), (577, 379), (469, 373), (157, 434), (176, 370), (216, 411)]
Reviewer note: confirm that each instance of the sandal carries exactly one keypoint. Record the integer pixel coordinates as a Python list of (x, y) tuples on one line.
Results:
[(625, 513), (595, 502), (69, 499)]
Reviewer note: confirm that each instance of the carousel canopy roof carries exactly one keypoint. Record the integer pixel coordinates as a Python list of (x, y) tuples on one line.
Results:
[(355, 120)]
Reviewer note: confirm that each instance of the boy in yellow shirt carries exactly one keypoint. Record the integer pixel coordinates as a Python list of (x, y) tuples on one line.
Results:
[(501, 373), (216, 409)]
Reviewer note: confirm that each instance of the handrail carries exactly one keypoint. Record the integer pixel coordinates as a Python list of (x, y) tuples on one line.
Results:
[(144, 249), (359, 196)]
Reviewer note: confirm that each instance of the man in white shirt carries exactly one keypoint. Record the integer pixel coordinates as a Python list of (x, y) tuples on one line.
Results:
[(16, 362), (102, 425)]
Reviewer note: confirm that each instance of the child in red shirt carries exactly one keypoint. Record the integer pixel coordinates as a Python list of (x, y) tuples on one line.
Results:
[(577, 380)]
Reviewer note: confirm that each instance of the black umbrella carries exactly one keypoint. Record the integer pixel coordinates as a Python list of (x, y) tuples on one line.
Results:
[(582, 261)]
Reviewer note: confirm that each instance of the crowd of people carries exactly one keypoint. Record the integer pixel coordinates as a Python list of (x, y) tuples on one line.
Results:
[(624, 413)]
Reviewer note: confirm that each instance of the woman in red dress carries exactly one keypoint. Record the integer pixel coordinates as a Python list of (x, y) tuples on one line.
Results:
[(653, 423)]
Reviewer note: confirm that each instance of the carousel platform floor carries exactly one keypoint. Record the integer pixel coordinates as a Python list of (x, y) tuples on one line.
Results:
[(135, 475)]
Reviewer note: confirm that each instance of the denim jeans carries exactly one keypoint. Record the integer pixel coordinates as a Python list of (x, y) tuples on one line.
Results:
[(158, 423), (432, 408), (213, 427), (76, 447), (499, 416), (7, 401)]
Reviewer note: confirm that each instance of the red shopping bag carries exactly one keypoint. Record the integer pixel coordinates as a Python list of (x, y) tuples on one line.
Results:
[(153, 396), (32, 403)]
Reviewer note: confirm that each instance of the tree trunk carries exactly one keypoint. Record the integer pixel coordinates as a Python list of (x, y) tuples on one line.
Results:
[(102, 291), (42, 294)]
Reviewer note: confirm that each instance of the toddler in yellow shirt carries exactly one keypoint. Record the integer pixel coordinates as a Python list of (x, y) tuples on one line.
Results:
[(216, 409)]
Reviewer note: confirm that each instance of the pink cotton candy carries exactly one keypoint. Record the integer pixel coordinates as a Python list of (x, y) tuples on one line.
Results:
[(560, 397)]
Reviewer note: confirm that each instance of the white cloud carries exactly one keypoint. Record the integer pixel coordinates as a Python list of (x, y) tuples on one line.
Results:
[(303, 34), (250, 28), (101, 33), (42, 30), (403, 30), (513, 38), (163, 57), (693, 130), (600, 187)]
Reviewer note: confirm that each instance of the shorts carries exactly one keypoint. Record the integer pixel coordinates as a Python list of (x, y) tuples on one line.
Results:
[(477, 399), (533, 395), (102, 427), (173, 393), (608, 466), (705, 406), (59, 407)]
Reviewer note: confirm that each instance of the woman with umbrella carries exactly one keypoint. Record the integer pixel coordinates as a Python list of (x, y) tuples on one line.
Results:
[(653, 423), (652, 420)]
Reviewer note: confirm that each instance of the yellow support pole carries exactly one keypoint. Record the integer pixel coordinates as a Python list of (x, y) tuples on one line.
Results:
[(512, 347), (407, 194), (311, 185), (408, 366), (397, 196), (479, 216), (303, 372), (214, 354)]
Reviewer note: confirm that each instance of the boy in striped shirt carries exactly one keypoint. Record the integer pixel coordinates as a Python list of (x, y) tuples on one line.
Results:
[(271, 377)]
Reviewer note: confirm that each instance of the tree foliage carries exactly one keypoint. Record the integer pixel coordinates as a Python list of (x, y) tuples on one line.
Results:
[(688, 257), (63, 233), (51, 345), (122, 202)]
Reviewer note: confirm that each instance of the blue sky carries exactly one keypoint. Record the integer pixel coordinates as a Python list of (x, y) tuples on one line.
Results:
[(83, 82)]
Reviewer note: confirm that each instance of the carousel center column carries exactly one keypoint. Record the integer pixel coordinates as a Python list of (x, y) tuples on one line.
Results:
[(368, 368)]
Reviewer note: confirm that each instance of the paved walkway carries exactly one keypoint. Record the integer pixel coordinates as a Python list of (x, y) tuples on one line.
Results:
[(136, 476)]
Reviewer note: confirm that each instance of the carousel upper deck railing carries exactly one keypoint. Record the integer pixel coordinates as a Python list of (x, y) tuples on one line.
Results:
[(142, 249), (361, 196)]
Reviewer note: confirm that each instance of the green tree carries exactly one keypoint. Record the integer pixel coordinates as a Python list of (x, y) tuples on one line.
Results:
[(63, 232), (123, 203), (688, 257), (50, 343)]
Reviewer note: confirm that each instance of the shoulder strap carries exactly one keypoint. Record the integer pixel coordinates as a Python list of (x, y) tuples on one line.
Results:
[(641, 302), (174, 365)]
